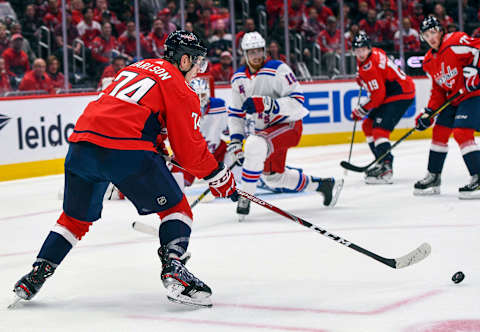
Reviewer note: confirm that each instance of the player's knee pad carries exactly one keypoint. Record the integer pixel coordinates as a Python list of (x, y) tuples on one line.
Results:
[(463, 135), (441, 134), (367, 126), (71, 228), (181, 211), (255, 149)]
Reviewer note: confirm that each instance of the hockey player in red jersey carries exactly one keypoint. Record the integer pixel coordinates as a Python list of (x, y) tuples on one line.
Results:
[(452, 63), (114, 141), (391, 92)]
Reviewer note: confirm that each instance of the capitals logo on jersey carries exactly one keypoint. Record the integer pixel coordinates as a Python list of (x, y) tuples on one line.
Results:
[(446, 77)]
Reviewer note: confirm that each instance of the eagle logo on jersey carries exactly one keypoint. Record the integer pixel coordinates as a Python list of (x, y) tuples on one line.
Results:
[(445, 77), (367, 66)]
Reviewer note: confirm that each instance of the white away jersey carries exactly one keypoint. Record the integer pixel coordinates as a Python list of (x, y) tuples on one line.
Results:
[(276, 80), (213, 123)]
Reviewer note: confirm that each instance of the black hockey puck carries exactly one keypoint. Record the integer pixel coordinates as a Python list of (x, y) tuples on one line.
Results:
[(458, 277)]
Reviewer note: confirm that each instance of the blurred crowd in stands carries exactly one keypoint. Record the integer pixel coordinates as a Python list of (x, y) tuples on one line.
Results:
[(101, 34)]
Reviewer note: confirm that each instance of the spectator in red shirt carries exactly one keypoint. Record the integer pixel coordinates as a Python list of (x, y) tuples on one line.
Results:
[(77, 7), (249, 26), (37, 79), (111, 71), (274, 52), (476, 33), (53, 15), (155, 40), (4, 41), (53, 72), (104, 48), (88, 29), (128, 42), (371, 26), (330, 44), (16, 60), (4, 78), (411, 39), (441, 14), (417, 17), (223, 71), (389, 25), (323, 11), (296, 15), (17, 29)]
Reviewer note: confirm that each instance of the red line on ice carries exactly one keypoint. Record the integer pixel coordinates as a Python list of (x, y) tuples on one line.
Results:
[(222, 323), (377, 311)]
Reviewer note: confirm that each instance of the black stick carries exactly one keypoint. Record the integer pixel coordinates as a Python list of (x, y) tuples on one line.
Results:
[(413, 257), (351, 167)]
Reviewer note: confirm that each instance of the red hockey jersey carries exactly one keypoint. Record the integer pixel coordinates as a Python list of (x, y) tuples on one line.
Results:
[(384, 80), (146, 99), (445, 67)]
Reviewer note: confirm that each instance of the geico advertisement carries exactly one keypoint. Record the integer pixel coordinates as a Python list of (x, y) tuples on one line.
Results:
[(37, 129), (330, 105)]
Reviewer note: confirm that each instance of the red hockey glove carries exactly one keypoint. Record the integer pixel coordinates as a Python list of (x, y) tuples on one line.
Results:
[(472, 78), (222, 183), (235, 150), (259, 105), (422, 121), (359, 113)]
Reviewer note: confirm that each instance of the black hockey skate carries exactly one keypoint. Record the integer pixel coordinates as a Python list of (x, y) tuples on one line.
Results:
[(243, 208), (330, 189), (471, 190), (182, 286), (29, 285), (381, 173), (429, 185)]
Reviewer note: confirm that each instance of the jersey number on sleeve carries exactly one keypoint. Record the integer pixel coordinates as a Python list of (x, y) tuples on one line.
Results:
[(290, 78), (133, 92), (372, 85)]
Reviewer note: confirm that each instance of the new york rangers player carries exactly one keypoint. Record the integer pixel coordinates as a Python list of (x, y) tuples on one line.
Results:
[(115, 140), (268, 93), (452, 63)]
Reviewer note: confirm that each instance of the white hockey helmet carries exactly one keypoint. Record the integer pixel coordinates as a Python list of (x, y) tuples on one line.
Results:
[(252, 40), (202, 89)]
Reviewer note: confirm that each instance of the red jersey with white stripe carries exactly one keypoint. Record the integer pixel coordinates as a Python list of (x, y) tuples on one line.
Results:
[(445, 67), (146, 99), (384, 80)]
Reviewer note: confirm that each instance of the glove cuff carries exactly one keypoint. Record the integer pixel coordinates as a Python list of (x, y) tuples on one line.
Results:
[(218, 173)]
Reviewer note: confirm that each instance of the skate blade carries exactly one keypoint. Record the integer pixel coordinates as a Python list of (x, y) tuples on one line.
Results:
[(13, 305), (378, 181), (469, 195), (201, 299), (337, 188), (241, 217), (427, 192)]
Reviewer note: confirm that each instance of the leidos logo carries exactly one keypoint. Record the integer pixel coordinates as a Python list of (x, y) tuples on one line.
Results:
[(3, 120), (33, 137)]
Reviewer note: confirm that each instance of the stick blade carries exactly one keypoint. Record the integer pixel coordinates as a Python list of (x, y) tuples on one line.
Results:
[(351, 167), (413, 257)]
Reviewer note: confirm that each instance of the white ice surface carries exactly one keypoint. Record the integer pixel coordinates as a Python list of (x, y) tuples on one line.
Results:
[(267, 273)]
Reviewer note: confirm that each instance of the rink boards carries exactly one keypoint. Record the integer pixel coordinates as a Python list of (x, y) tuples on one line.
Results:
[(34, 131)]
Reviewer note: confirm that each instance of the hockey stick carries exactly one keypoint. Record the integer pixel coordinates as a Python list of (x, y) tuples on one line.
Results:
[(411, 258), (353, 131), (351, 167)]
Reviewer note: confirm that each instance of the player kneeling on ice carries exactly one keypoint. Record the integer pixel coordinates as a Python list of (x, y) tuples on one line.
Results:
[(114, 140), (269, 94), (451, 56), (391, 93)]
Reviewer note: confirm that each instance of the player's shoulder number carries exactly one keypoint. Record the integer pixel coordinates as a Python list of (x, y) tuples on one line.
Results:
[(133, 92)]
